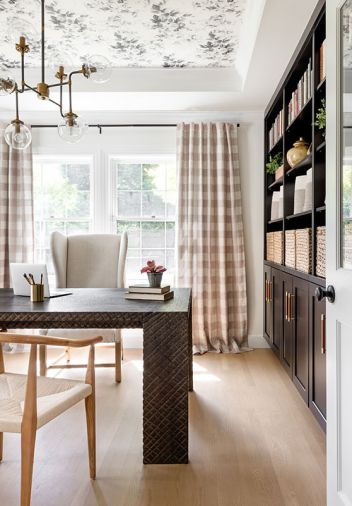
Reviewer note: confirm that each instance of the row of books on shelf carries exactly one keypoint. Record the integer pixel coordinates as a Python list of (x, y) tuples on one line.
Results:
[(301, 95), (322, 65), (146, 292), (276, 130)]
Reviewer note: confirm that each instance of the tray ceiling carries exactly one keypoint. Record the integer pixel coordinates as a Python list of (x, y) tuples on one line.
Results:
[(130, 33)]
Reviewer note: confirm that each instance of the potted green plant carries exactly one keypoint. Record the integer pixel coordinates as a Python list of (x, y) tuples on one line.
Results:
[(154, 272), (275, 165), (320, 117)]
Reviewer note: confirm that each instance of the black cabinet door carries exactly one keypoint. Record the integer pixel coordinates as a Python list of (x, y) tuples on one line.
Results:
[(268, 306), (317, 390), (299, 311), (287, 334), (277, 302)]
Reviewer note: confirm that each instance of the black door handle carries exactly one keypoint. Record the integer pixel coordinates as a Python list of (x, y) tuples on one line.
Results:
[(329, 293)]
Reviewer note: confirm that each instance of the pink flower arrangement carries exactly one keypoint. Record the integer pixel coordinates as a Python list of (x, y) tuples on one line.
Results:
[(152, 267)]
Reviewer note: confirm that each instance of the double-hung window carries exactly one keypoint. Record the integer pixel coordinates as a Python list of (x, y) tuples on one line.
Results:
[(144, 201), (63, 199)]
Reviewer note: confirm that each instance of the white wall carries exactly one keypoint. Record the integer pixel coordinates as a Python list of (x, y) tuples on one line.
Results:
[(153, 141)]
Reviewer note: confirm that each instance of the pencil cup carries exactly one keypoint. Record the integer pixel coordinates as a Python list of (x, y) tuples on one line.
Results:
[(37, 293)]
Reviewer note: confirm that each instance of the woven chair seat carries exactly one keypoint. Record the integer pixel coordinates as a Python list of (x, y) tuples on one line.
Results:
[(54, 396)]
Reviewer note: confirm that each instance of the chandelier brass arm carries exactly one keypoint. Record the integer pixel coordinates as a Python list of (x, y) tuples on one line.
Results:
[(71, 128)]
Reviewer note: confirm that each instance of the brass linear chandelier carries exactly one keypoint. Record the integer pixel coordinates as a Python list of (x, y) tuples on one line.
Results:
[(71, 127)]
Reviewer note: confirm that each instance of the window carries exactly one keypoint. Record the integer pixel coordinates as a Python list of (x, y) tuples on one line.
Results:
[(144, 199), (62, 200)]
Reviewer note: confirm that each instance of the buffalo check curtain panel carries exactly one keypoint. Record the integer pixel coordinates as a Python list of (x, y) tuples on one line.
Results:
[(210, 243)]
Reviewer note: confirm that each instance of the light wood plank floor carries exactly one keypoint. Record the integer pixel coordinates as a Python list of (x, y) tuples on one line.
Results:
[(252, 443)]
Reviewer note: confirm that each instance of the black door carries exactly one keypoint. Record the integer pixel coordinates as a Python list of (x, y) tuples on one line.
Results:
[(287, 335), (277, 296), (299, 310), (268, 306)]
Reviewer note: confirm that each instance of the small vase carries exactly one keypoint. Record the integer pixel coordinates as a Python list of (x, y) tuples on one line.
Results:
[(154, 279), (298, 152)]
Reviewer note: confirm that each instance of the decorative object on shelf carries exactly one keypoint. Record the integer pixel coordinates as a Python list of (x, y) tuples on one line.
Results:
[(279, 173), (274, 163), (320, 117), (308, 197), (321, 252), (154, 272), (301, 95), (275, 206), (276, 130), (290, 248), (281, 203), (304, 250), (71, 128), (298, 152), (310, 149), (300, 190), (279, 247), (270, 246)]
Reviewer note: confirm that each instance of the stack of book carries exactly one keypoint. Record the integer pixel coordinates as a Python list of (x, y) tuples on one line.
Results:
[(301, 95), (145, 292), (276, 130)]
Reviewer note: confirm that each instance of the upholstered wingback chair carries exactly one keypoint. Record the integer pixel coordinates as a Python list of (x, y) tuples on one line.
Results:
[(89, 261)]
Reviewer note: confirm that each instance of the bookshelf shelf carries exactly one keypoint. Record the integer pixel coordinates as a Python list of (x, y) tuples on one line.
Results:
[(321, 85), (321, 209), (300, 168), (299, 215), (276, 184), (321, 146)]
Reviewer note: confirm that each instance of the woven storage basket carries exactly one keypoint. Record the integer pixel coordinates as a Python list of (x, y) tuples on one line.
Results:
[(321, 252), (290, 248), (279, 247), (304, 250), (270, 246)]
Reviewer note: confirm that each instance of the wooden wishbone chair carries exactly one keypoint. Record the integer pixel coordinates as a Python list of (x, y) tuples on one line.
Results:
[(40, 403)]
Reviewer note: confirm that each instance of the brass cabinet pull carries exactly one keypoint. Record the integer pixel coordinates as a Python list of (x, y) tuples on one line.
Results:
[(266, 290), (292, 312), (286, 305), (322, 334)]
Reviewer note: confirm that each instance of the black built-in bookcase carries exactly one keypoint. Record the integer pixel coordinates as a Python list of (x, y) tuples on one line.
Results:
[(298, 342)]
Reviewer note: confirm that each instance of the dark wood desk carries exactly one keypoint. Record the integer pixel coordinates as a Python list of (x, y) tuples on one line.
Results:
[(167, 350)]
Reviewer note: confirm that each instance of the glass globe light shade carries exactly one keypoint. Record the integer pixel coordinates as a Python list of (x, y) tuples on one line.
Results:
[(72, 129), (7, 85), (99, 68), (58, 59), (17, 135), (20, 27)]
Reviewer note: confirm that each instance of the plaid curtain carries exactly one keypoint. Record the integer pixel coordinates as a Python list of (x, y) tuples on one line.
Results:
[(211, 258), (16, 207)]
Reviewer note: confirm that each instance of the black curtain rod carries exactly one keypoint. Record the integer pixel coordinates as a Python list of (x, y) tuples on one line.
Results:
[(99, 126)]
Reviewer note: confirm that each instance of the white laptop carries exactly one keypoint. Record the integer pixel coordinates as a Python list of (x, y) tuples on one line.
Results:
[(22, 287)]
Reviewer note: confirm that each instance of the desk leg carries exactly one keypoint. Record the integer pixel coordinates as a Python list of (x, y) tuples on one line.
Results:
[(190, 351), (165, 388)]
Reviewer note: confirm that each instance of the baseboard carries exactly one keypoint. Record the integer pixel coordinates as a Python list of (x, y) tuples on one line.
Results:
[(133, 338), (257, 342)]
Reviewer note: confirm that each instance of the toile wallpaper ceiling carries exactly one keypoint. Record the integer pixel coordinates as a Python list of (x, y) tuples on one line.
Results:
[(130, 33)]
